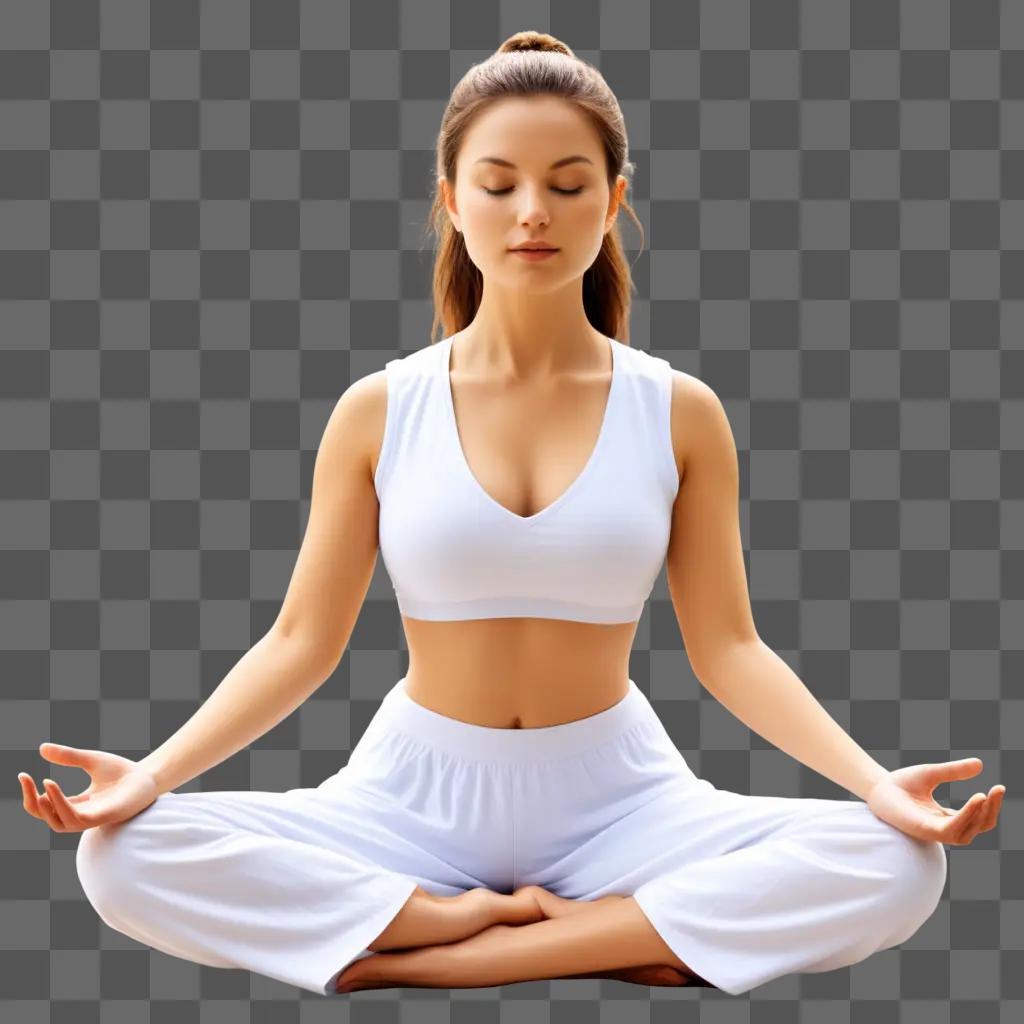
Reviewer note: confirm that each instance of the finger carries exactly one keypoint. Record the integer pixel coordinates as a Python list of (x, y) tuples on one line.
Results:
[(953, 830), (972, 828), (49, 817), (990, 812), (65, 813), (963, 824), (30, 796), (986, 813)]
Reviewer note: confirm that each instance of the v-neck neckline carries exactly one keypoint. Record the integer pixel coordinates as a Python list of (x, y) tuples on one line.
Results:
[(444, 362)]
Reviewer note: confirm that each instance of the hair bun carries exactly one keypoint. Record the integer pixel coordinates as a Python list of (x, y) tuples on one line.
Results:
[(530, 40)]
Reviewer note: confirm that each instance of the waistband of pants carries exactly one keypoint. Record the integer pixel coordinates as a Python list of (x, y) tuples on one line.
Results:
[(398, 710)]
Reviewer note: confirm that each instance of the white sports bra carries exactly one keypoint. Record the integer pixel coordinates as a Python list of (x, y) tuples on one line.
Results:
[(592, 555)]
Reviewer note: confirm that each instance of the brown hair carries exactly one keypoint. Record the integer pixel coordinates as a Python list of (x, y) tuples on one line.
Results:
[(528, 64)]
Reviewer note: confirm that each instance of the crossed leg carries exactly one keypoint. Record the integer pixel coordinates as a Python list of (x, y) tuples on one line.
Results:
[(610, 937)]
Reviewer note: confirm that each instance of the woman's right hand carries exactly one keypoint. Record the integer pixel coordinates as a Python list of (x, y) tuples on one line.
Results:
[(119, 790)]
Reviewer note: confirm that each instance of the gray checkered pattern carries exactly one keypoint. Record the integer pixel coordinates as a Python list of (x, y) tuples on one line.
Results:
[(211, 221)]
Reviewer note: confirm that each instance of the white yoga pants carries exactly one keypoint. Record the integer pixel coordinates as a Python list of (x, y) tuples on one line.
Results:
[(294, 885)]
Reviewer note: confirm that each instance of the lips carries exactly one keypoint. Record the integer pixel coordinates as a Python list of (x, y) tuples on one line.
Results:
[(534, 248)]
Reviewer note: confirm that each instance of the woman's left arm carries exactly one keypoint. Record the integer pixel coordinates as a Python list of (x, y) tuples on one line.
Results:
[(764, 693), (767, 696), (708, 586)]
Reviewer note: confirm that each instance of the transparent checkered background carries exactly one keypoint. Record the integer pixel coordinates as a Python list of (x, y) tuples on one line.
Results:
[(212, 219)]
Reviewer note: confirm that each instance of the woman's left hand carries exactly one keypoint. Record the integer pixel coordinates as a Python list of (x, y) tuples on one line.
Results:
[(904, 798)]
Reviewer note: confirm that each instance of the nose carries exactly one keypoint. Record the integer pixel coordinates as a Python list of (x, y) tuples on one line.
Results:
[(532, 209)]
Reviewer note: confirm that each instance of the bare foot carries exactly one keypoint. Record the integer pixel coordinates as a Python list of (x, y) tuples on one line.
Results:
[(422, 968), (523, 906), (528, 904), (554, 905), (357, 976), (646, 974)]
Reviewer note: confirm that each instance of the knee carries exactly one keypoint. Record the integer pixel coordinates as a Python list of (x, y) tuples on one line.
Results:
[(106, 861), (917, 870)]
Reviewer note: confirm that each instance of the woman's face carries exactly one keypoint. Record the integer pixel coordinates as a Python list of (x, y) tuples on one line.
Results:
[(499, 204)]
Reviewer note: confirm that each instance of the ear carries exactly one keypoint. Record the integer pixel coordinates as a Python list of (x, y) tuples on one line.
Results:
[(448, 196)]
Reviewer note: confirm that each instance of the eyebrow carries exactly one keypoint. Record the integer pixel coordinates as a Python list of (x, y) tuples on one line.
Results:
[(578, 158)]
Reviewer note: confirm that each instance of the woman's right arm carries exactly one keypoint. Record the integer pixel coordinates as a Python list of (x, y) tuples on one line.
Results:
[(265, 685), (331, 577)]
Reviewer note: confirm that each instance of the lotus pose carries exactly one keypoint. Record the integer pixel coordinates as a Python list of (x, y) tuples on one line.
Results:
[(516, 809)]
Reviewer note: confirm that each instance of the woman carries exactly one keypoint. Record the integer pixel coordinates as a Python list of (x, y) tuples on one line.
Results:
[(516, 810)]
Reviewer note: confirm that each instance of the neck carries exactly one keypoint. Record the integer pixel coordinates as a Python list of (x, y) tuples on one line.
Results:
[(529, 343)]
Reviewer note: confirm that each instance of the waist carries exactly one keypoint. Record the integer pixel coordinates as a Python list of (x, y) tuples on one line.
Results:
[(529, 706), (399, 711)]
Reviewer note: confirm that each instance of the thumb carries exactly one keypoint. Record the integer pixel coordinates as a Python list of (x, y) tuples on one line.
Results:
[(965, 768), (64, 755)]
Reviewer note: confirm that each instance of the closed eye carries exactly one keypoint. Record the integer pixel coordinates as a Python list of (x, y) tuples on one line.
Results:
[(505, 191)]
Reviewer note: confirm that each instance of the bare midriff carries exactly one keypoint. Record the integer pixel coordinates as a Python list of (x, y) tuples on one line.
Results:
[(517, 673)]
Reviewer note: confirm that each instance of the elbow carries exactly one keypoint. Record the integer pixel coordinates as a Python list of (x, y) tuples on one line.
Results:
[(317, 658), (725, 662)]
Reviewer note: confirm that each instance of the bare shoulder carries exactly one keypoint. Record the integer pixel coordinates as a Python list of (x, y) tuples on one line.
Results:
[(694, 411), (361, 411)]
